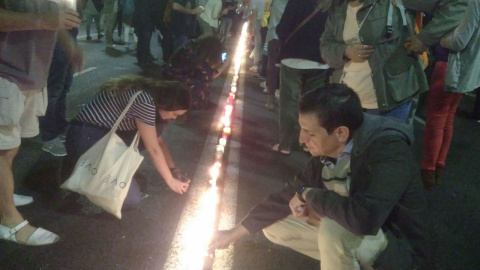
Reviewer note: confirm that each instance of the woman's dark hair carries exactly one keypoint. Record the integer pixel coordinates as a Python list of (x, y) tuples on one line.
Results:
[(334, 105), (167, 95), (209, 49)]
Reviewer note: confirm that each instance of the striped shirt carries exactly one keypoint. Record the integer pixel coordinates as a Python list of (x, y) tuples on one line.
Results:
[(104, 110)]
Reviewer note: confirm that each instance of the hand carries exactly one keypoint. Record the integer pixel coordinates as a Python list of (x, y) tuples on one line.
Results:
[(222, 239), (198, 10), (225, 11), (60, 18), (298, 208), (415, 46), (359, 53), (178, 186)]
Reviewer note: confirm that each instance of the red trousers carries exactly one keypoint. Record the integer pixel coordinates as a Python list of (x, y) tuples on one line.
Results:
[(441, 107)]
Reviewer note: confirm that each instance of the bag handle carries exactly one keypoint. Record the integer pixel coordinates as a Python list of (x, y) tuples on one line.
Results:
[(122, 115), (308, 18)]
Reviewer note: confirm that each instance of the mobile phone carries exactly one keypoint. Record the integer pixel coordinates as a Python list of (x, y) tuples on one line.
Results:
[(224, 57)]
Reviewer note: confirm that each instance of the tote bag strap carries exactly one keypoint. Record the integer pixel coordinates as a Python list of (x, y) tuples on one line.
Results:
[(120, 118), (308, 18)]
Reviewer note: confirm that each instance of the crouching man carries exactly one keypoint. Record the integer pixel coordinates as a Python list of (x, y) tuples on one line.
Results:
[(359, 203)]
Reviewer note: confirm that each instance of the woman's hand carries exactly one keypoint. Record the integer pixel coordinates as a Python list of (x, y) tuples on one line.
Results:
[(178, 186), (359, 53)]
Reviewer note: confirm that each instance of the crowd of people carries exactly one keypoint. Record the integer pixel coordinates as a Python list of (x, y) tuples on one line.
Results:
[(349, 74)]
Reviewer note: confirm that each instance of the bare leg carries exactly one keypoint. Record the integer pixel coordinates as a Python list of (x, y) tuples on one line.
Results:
[(9, 215)]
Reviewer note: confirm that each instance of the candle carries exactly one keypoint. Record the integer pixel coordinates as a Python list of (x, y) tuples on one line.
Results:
[(222, 142), (227, 130), (234, 89), (220, 148)]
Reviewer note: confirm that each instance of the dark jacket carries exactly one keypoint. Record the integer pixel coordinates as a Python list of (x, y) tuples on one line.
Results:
[(305, 42), (385, 192)]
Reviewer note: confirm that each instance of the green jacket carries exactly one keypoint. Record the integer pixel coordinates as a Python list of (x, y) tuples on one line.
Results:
[(463, 73), (397, 77)]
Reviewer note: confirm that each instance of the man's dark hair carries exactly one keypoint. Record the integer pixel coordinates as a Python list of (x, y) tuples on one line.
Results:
[(334, 105)]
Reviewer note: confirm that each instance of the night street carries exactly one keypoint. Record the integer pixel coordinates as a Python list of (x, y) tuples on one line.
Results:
[(149, 237)]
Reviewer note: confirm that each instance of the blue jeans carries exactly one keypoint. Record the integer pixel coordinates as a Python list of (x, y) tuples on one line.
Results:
[(401, 112), (82, 136), (60, 78)]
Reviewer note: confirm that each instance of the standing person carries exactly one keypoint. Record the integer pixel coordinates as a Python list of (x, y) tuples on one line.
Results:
[(226, 20), (197, 64), (208, 20), (359, 203), (302, 69), (54, 124), (110, 10), (144, 26), (163, 9), (273, 49), (369, 55), (128, 9), (449, 81), (92, 11), (182, 17), (27, 40), (257, 7), (160, 101)]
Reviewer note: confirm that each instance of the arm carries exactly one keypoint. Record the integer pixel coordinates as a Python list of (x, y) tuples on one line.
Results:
[(287, 23), (72, 50), (222, 239), (446, 16), (177, 7), (365, 211), (458, 39), (332, 51), (149, 137), (55, 19), (166, 153)]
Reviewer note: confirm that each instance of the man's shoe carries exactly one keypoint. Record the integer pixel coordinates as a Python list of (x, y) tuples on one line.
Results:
[(253, 68), (89, 38), (99, 36), (119, 42), (20, 200), (55, 147)]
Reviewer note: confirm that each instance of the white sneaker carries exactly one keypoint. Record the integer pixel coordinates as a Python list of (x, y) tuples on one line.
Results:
[(263, 84), (55, 147), (20, 200)]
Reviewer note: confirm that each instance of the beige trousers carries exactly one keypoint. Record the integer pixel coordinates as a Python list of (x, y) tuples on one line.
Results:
[(334, 246)]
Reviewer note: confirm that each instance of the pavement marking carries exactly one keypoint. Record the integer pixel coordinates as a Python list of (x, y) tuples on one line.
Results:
[(84, 71), (228, 210), (200, 180)]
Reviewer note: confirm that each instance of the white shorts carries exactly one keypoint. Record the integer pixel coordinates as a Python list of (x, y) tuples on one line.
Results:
[(19, 112)]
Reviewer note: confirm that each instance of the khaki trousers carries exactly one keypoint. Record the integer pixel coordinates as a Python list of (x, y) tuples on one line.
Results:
[(334, 246)]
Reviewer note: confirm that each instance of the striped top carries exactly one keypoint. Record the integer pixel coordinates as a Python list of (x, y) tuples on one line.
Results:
[(104, 110)]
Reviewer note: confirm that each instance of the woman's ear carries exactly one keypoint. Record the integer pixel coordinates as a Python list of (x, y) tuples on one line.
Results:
[(342, 133)]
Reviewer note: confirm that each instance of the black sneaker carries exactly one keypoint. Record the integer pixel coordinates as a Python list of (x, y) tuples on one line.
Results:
[(89, 38)]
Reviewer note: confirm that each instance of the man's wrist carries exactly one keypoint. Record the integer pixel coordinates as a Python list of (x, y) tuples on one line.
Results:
[(299, 193)]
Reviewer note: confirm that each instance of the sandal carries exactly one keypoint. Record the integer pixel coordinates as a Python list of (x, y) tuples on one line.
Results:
[(278, 148), (40, 237)]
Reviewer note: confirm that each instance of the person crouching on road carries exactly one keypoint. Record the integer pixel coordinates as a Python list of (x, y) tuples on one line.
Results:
[(361, 191), (196, 64), (160, 101)]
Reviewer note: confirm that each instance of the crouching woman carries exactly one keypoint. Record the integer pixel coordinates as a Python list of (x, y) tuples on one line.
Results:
[(159, 102)]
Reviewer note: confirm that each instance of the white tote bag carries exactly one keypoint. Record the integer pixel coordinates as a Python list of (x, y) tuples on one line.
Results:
[(104, 173)]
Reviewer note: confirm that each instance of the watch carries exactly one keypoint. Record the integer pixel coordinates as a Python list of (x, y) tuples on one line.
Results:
[(299, 193)]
